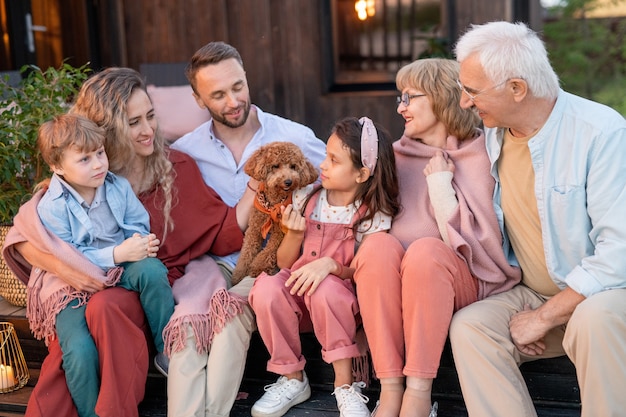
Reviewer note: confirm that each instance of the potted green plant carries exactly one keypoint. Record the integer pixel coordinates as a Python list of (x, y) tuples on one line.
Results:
[(23, 108), (40, 96)]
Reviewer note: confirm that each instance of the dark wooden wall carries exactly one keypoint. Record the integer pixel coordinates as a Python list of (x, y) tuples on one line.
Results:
[(281, 42)]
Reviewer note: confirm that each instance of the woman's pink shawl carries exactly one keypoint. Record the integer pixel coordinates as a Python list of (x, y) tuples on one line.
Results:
[(47, 294), (473, 228), (202, 302), (203, 224)]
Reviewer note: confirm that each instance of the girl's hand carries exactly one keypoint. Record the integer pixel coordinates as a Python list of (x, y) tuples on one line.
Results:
[(289, 250), (438, 164), (136, 248), (292, 220), (307, 278)]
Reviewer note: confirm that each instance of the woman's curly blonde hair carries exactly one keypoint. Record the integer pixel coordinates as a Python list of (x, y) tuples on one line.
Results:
[(103, 98)]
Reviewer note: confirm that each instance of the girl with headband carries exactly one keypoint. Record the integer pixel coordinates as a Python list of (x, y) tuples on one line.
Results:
[(325, 224), (443, 251)]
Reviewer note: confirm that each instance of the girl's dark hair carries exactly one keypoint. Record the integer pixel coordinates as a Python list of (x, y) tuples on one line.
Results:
[(380, 192)]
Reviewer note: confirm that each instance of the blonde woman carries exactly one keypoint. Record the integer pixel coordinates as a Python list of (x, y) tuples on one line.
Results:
[(190, 220), (443, 251)]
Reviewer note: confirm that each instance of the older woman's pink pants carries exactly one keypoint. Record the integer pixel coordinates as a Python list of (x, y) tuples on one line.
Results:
[(407, 300)]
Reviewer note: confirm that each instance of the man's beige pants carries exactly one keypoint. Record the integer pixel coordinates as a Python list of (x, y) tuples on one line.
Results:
[(488, 362), (206, 385)]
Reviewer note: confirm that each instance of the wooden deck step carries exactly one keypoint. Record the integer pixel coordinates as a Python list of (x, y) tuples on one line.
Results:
[(552, 382)]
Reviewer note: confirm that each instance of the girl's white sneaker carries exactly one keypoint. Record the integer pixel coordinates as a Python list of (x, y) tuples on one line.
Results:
[(350, 401)]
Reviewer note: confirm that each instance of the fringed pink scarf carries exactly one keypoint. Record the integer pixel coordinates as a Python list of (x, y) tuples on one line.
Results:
[(473, 228), (203, 302), (361, 364), (47, 294)]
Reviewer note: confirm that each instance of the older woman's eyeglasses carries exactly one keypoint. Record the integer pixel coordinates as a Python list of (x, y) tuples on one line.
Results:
[(406, 98), (471, 96)]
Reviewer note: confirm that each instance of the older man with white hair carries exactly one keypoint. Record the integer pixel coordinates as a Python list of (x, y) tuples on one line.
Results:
[(560, 167)]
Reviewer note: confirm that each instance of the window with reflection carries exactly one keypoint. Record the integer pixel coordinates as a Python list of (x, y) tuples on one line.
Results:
[(372, 39)]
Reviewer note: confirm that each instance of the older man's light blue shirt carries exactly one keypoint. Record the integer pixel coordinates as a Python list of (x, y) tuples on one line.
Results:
[(579, 159)]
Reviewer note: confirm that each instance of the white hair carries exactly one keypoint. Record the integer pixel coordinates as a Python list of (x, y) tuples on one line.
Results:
[(510, 50)]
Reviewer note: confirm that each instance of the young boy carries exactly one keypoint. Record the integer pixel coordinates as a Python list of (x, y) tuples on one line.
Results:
[(98, 213)]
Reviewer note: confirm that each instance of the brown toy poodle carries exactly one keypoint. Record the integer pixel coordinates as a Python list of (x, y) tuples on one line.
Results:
[(280, 168)]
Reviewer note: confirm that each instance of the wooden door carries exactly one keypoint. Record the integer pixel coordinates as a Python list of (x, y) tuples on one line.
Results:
[(45, 33), (17, 47)]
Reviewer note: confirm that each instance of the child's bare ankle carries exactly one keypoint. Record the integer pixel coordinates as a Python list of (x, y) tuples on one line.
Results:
[(295, 375)]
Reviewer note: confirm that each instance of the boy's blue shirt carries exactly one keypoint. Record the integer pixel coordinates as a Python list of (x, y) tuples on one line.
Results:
[(61, 213)]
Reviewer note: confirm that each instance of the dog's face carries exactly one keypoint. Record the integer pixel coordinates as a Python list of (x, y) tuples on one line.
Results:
[(282, 167)]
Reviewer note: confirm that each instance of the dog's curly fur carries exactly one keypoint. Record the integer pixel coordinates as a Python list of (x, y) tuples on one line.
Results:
[(283, 168)]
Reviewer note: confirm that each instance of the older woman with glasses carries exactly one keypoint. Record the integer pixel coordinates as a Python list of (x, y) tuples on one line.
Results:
[(444, 250)]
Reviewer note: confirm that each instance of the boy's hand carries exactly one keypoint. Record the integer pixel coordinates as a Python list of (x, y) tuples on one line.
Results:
[(153, 245), (136, 248)]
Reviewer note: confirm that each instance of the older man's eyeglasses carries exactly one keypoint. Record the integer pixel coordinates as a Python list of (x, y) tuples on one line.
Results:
[(471, 96), (406, 98)]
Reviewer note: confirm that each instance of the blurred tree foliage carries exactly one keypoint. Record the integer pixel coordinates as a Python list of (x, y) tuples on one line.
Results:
[(588, 54)]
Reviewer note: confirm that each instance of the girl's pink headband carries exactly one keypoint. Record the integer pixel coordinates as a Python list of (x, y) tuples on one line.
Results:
[(369, 144)]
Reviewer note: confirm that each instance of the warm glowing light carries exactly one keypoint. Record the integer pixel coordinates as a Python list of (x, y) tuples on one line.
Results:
[(371, 7), (365, 8), (7, 378)]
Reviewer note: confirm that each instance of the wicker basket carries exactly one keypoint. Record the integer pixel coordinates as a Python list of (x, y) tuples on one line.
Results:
[(11, 288)]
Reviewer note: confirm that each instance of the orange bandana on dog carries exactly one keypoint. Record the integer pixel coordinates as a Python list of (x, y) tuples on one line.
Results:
[(261, 204)]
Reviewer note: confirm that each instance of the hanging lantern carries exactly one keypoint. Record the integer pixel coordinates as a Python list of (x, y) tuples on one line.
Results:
[(13, 369)]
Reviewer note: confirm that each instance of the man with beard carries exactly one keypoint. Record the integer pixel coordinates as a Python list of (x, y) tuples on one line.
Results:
[(237, 128), (200, 382)]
